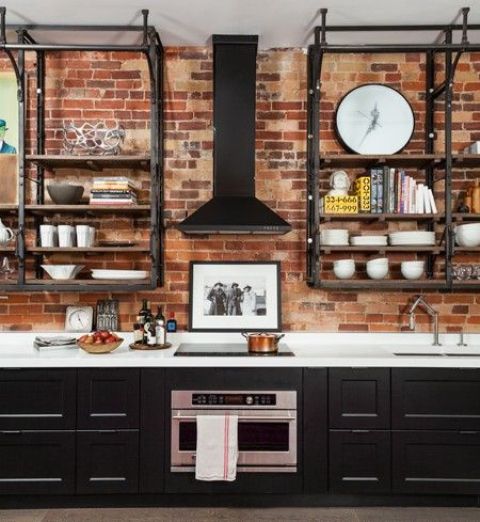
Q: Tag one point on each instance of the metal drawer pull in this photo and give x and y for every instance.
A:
(427, 479)
(56, 479)
(11, 432)
(30, 415)
(360, 479)
(241, 417)
(108, 414)
(107, 479)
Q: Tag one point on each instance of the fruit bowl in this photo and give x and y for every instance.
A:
(99, 342)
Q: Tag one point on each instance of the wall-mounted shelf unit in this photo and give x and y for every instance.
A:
(435, 166)
(33, 165)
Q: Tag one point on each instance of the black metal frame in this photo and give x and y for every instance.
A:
(151, 47)
(316, 52)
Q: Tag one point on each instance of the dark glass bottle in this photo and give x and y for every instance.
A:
(144, 312)
(172, 323)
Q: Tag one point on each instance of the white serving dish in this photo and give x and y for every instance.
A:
(467, 235)
(369, 240)
(413, 237)
(119, 274)
(412, 269)
(62, 272)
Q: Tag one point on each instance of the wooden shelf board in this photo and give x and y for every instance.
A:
(466, 250)
(469, 283)
(7, 249)
(9, 208)
(92, 163)
(89, 250)
(347, 248)
(466, 161)
(49, 209)
(395, 160)
(382, 217)
(459, 216)
(87, 282)
(380, 284)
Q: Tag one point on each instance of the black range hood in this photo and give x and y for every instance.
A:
(234, 209)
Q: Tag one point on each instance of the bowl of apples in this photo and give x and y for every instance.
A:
(101, 341)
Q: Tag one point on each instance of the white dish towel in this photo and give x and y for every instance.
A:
(217, 447)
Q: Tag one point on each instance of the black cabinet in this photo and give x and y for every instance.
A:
(108, 398)
(37, 462)
(440, 398)
(315, 430)
(359, 398)
(107, 461)
(360, 461)
(443, 462)
(152, 431)
(37, 399)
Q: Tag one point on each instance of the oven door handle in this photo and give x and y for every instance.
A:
(288, 418)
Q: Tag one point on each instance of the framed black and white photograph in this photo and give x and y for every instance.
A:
(234, 296)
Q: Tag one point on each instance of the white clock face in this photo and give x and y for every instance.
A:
(374, 119)
(79, 319)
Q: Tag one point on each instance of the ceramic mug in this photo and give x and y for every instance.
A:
(48, 235)
(6, 234)
(65, 236)
(84, 236)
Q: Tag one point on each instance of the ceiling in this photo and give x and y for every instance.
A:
(280, 23)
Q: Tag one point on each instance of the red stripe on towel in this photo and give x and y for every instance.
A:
(225, 448)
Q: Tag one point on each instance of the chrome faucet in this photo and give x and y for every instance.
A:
(420, 301)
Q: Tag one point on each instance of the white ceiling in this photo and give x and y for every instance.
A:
(280, 23)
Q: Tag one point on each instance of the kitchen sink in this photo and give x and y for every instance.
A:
(445, 352)
(418, 354)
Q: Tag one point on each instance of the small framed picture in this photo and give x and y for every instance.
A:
(232, 296)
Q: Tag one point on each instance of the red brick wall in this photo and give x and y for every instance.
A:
(101, 86)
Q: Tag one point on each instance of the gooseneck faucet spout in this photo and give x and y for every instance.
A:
(420, 302)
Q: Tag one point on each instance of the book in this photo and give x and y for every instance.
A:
(362, 191)
(432, 201)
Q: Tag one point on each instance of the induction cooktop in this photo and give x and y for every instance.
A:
(226, 350)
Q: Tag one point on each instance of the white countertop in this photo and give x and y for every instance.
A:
(311, 350)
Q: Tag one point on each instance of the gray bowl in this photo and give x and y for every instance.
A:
(64, 194)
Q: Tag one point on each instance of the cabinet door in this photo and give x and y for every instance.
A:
(315, 429)
(360, 461)
(107, 462)
(436, 462)
(37, 399)
(37, 462)
(438, 398)
(152, 431)
(108, 398)
(359, 398)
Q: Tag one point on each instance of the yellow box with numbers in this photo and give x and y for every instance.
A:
(363, 191)
(340, 205)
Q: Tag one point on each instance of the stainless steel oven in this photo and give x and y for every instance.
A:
(267, 427)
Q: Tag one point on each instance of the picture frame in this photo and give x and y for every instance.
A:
(9, 138)
(234, 296)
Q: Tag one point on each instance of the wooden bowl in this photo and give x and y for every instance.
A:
(100, 348)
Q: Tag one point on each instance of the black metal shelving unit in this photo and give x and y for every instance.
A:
(151, 48)
(432, 163)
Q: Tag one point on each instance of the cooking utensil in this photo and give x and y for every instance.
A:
(262, 342)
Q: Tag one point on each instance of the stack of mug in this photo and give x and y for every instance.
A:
(67, 236)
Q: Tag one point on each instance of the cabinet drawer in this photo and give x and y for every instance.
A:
(37, 399)
(107, 462)
(108, 398)
(359, 398)
(37, 462)
(360, 462)
(443, 462)
(439, 398)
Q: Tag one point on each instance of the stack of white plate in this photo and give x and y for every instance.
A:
(368, 240)
(334, 237)
(413, 237)
(119, 274)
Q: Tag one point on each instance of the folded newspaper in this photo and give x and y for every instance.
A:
(54, 342)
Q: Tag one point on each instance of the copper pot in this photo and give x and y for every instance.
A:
(262, 342)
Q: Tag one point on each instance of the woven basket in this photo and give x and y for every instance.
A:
(100, 348)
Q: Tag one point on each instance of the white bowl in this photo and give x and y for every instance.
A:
(344, 268)
(63, 271)
(377, 270)
(468, 235)
(412, 269)
(378, 261)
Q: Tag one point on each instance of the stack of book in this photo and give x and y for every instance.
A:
(388, 190)
(117, 190)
